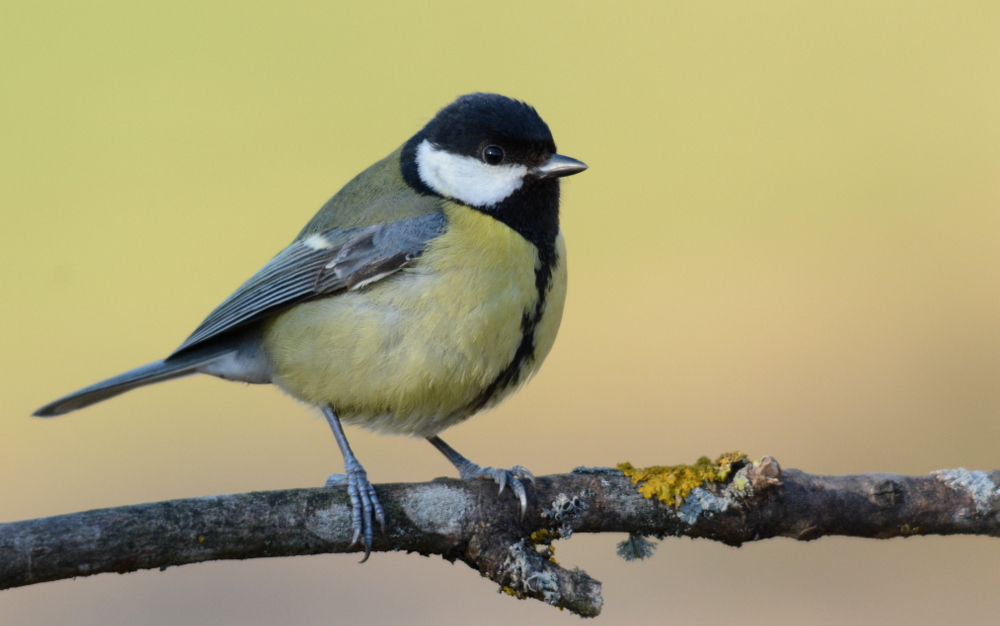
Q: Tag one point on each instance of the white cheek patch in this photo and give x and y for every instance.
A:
(468, 180)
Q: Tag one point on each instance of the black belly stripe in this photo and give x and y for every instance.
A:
(510, 376)
(512, 373)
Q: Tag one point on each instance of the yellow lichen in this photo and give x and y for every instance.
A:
(671, 484)
(544, 537)
(907, 531)
(540, 536)
(552, 554)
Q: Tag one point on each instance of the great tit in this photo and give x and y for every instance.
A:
(427, 289)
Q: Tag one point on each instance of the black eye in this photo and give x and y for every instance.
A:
(493, 154)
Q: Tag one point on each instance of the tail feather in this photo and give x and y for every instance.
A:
(145, 375)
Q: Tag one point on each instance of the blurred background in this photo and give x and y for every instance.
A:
(788, 243)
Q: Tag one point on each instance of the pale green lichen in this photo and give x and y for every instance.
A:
(564, 508)
(976, 483)
(702, 502)
(331, 524)
(635, 548)
(597, 471)
(742, 485)
(566, 511)
(524, 579)
(671, 484)
(436, 508)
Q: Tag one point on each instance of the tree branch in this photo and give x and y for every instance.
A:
(465, 520)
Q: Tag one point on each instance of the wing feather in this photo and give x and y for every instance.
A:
(318, 266)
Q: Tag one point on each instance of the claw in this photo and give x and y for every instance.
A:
(521, 495)
(503, 482)
(523, 472)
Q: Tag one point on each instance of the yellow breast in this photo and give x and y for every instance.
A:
(413, 353)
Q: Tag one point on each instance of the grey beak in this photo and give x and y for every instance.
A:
(559, 165)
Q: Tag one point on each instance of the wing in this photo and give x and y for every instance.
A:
(320, 265)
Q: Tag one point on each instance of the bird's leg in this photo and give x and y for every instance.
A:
(364, 502)
(503, 477)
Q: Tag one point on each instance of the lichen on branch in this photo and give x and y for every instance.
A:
(671, 484)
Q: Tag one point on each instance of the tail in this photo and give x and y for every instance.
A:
(155, 372)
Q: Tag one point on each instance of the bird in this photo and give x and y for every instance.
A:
(429, 288)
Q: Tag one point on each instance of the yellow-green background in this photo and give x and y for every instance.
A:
(788, 243)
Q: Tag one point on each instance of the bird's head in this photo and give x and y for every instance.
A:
(481, 149)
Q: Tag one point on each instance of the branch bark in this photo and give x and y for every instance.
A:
(466, 521)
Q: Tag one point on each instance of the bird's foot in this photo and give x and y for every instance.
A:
(364, 504)
(502, 477)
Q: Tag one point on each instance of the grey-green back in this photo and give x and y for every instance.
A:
(373, 227)
(377, 195)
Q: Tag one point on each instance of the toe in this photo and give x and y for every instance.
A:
(336, 480)
(356, 520)
(523, 472)
(379, 513)
(503, 478)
